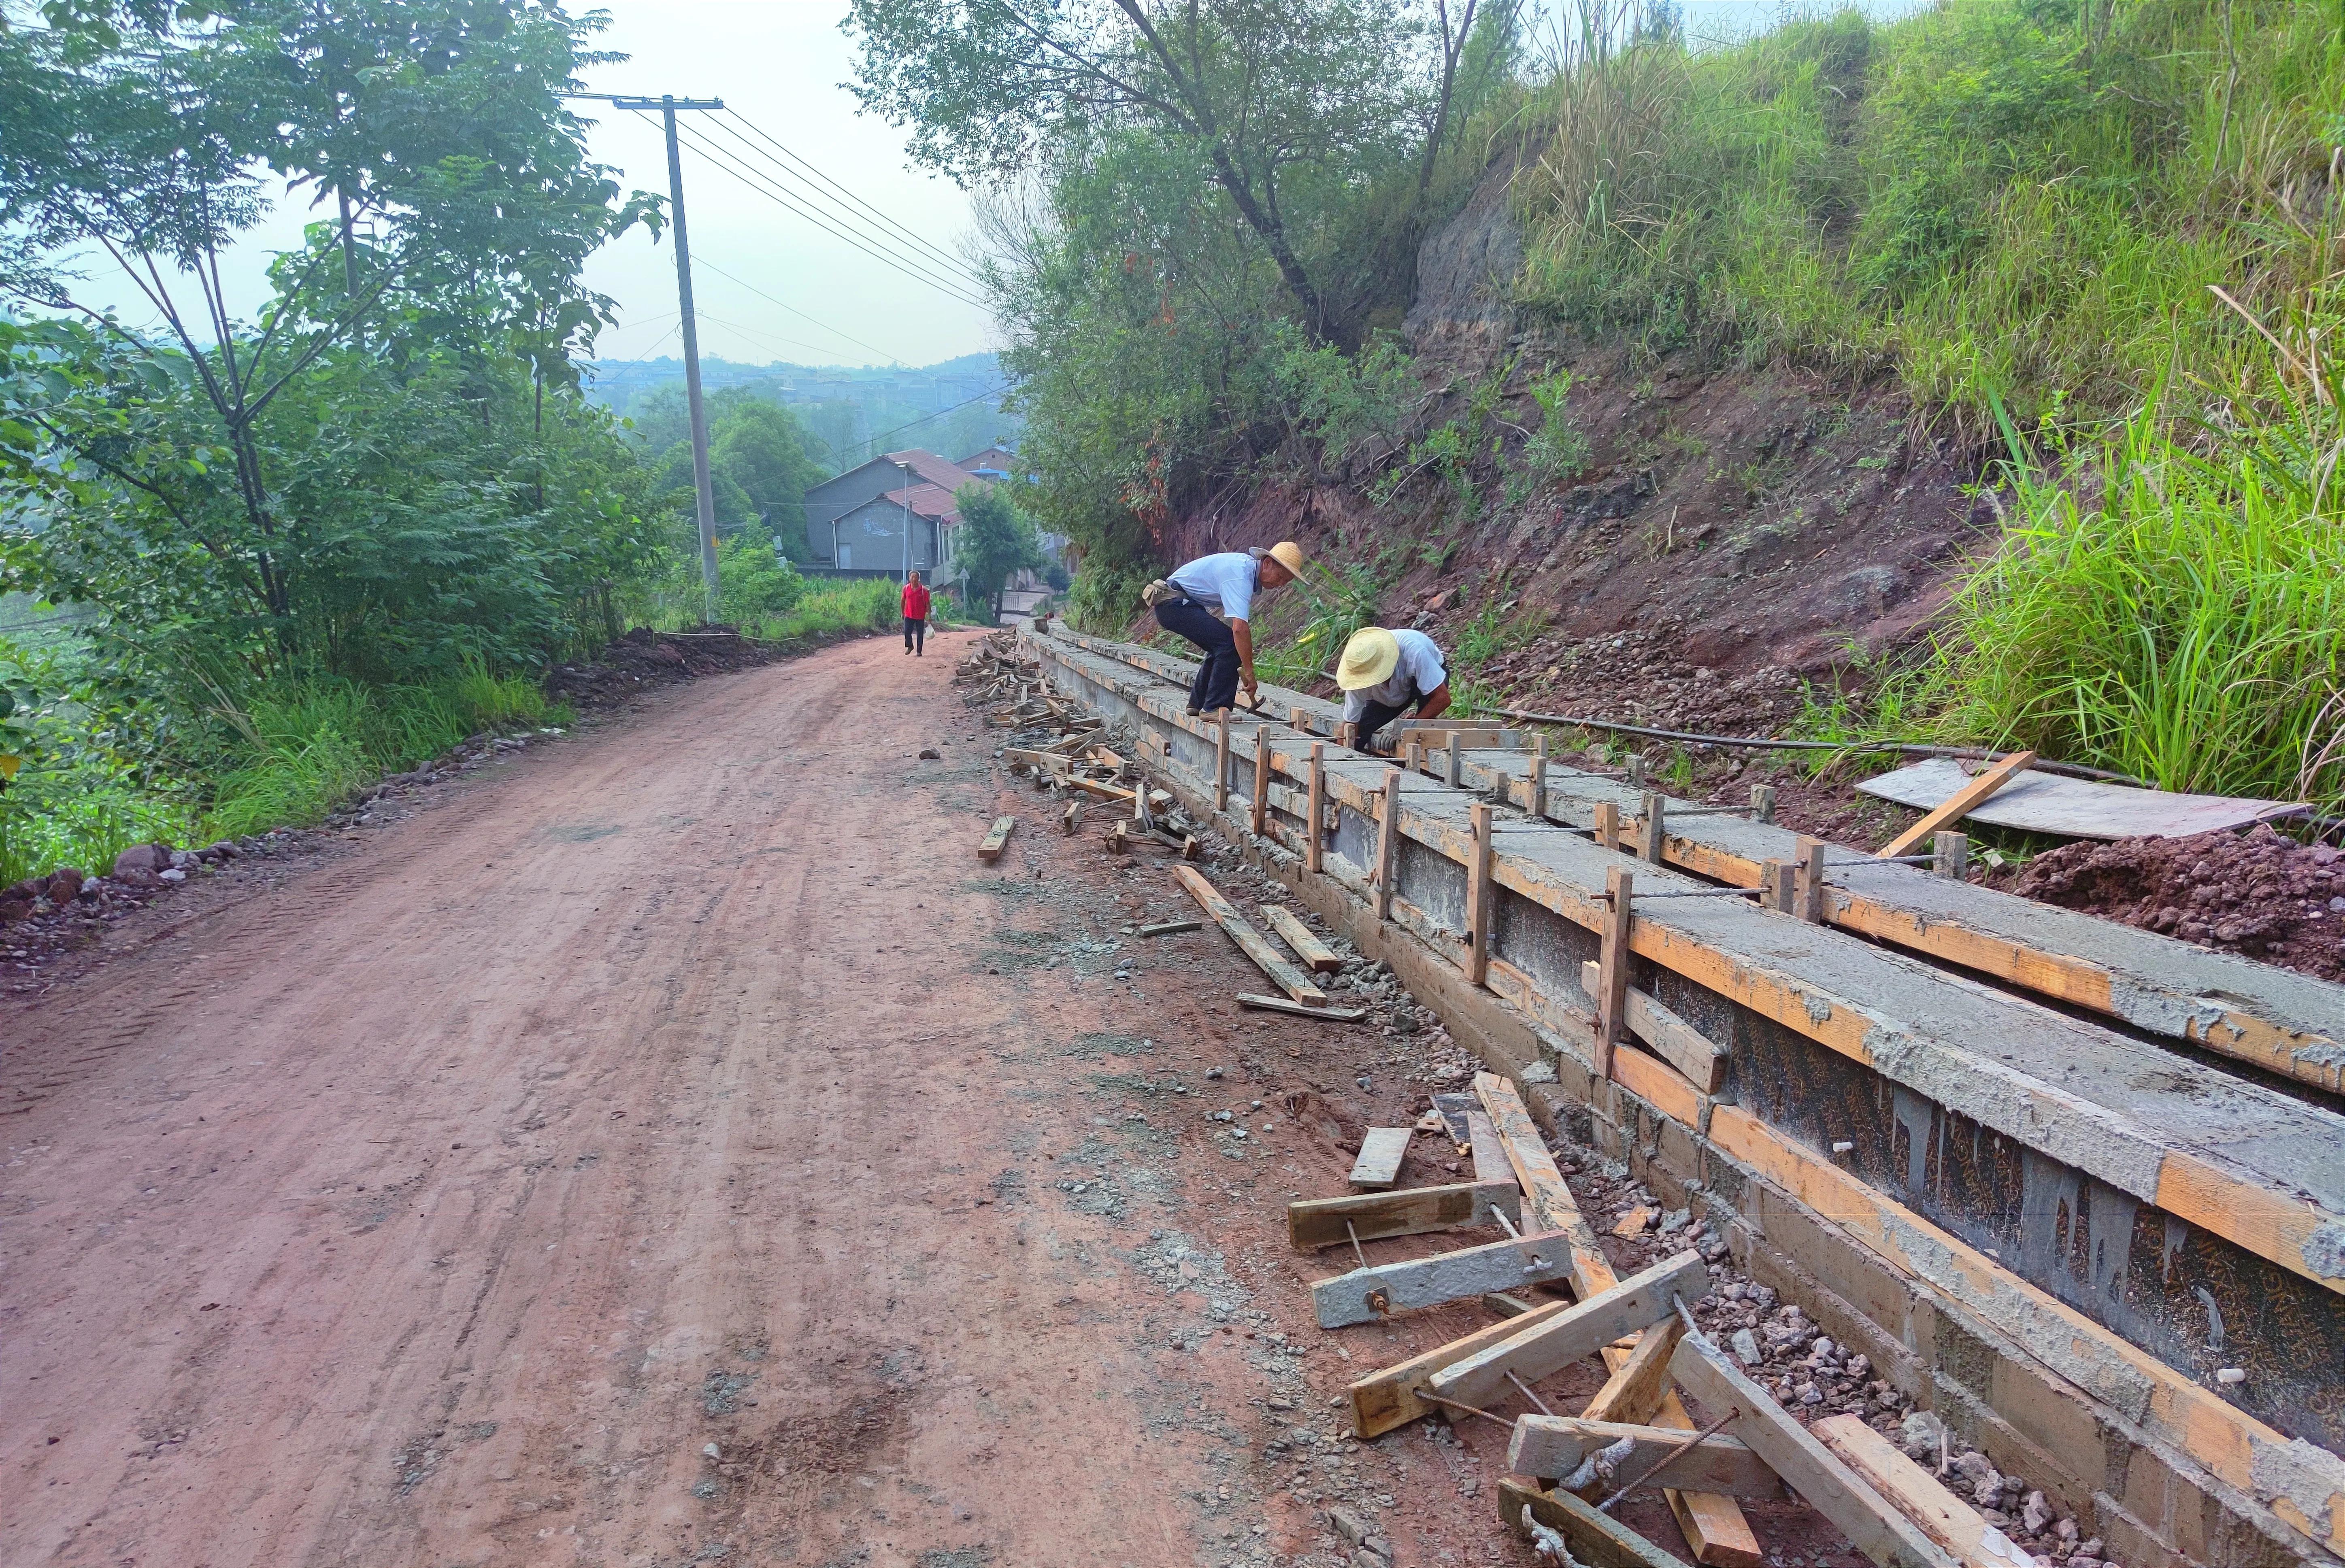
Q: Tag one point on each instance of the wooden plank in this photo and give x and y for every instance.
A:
(1608, 825)
(1985, 784)
(1072, 817)
(1808, 884)
(1171, 927)
(1479, 900)
(1281, 1004)
(1286, 976)
(997, 839)
(1813, 1471)
(1490, 1162)
(1639, 1302)
(1380, 1289)
(1640, 1380)
(1652, 815)
(1613, 937)
(1262, 772)
(1549, 1447)
(1316, 954)
(1315, 1222)
(1552, 1205)
(1673, 1039)
(1381, 1152)
(1387, 1398)
(1387, 845)
(1315, 812)
(1222, 760)
(1953, 1525)
(1596, 1540)
(1536, 802)
(1041, 762)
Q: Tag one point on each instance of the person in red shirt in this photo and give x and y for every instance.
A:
(916, 616)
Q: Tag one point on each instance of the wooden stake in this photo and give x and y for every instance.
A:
(1537, 805)
(1608, 825)
(1451, 749)
(1261, 778)
(1415, 752)
(1315, 807)
(1953, 852)
(1762, 802)
(1071, 818)
(1653, 810)
(1478, 901)
(1812, 880)
(1221, 761)
(1777, 878)
(1964, 799)
(1388, 844)
(1612, 969)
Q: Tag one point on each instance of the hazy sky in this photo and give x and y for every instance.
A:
(779, 63)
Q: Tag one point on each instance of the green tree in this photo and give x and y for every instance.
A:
(759, 446)
(997, 540)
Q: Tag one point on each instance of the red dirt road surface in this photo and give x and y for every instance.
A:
(674, 1146)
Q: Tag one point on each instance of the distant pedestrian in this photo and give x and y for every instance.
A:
(916, 616)
(1384, 674)
(1195, 600)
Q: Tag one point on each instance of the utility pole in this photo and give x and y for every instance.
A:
(704, 495)
(907, 522)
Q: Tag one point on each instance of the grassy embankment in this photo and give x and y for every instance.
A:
(2024, 212)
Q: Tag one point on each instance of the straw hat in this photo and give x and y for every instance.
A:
(1368, 659)
(1287, 553)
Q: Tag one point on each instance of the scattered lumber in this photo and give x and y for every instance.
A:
(1544, 1348)
(1454, 1109)
(1364, 1295)
(1171, 927)
(1596, 1540)
(994, 842)
(1813, 1471)
(1913, 1491)
(1381, 1152)
(1675, 1041)
(1316, 955)
(1490, 1163)
(1971, 794)
(1312, 1223)
(1388, 1398)
(1551, 1204)
(1298, 1010)
(1072, 817)
(1286, 976)
(1549, 1447)
(1639, 1384)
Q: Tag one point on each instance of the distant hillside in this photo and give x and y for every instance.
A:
(926, 388)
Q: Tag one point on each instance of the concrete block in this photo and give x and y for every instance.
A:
(2129, 1540)
(2053, 1417)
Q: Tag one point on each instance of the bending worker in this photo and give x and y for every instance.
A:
(1383, 674)
(1195, 600)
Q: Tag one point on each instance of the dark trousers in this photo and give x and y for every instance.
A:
(1375, 717)
(1216, 685)
(915, 635)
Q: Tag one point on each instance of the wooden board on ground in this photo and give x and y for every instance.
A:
(1552, 1207)
(1452, 1109)
(1639, 1384)
(1281, 1004)
(1490, 1162)
(1920, 1496)
(1381, 1152)
(1549, 1447)
(1315, 1222)
(997, 839)
(1286, 976)
(1364, 1295)
(1597, 1539)
(1639, 1301)
(1675, 1041)
(2075, 808)
(1171, 927)
(1387, 1398)
(1813, 1471)
(1316, 955)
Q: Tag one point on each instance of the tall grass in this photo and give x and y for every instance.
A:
(856, 604)
(2167, 610)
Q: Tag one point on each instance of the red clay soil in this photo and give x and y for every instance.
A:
(2258, 892)
(670, 1144)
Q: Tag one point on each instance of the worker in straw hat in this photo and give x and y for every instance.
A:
(1210, 602)
(1384, 674)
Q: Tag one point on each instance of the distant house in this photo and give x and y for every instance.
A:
(993, 462)
(880, 518)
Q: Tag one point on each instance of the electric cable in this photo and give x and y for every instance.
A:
(908, 232)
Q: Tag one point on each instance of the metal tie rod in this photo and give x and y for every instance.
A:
(1639, 895)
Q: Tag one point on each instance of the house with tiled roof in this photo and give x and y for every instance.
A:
(892, 514)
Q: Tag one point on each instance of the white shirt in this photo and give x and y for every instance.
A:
(1417, 672)
(1223, 584)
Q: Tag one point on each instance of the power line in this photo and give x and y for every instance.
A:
(880, 436)
(891, 358)
(864, 210)
(754, 335)
(910, 265)
(762, 188)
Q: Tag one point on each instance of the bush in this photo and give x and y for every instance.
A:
(753, 582)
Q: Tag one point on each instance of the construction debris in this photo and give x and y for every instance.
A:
(1381, 1152)
(998, 839)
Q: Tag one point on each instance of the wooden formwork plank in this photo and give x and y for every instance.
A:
(1641, 1300)
(1364, 1295)
(996, 838)
(1550, 1447)
(1312, 1223)
(1316, 955)
(1381, 1151)
(1286, 976)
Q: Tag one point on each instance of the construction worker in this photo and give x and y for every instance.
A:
(916, 616)
(1195, 601)
(1383, 674)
